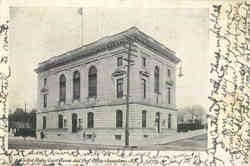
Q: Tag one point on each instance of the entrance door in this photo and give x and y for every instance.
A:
(74, 123)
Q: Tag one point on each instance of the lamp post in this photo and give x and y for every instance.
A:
(180, 74)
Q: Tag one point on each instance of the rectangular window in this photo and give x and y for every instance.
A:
(157, 80)
(119, 61)
(169, 95)
(45, 82)
(119, 88)
(143, 61)
(119, 118)
(45, 101)
(144, 119)
(80, 123)
(60, 121)
(44, 122)
(144, 86)
(157, 120)
(169, 73)
(90, 123)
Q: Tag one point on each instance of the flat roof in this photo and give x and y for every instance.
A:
(107, 42)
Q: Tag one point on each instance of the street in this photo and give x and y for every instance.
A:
(196, 143)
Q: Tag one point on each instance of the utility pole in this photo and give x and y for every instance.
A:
(131, 48)
(127, 97)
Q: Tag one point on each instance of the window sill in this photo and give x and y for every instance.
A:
(44, 90)
(144, 73)
(118, 73)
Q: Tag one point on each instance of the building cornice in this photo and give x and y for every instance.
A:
(108, 43)
(103, 105)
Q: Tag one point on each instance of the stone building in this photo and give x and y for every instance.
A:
(84, 90)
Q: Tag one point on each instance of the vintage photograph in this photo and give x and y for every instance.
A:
(108, 78)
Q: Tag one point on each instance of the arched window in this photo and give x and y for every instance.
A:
(76, 85)
(90, 120)
(60, 121)
(44, 122)
(92, 82)
(144, 119)
(157, 79)
(169, 121)
(119, 119)
(62, 88)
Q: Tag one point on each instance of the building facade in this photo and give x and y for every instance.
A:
(84, 90)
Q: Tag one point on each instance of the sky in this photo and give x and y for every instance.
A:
(39, 33)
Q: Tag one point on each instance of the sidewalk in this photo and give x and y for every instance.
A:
(173, 138)
(88, 143)
(147, 142)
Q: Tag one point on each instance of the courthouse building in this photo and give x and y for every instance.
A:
(84, 90)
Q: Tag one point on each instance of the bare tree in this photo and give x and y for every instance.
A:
(182, 114)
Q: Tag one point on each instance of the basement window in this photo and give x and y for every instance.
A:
(145, 136)
(118, 137)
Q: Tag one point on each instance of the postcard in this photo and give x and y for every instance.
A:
(123, 83)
